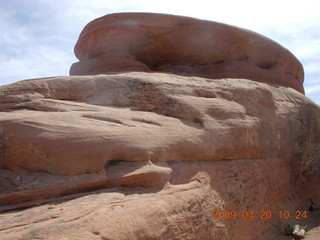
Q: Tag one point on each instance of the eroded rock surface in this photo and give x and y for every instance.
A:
(184, 46)
(230, 144)
(149, 155)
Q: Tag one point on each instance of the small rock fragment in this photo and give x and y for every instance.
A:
(299, 232)
(295, 230)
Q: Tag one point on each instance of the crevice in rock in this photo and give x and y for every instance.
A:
(195, 123)
(243, 58)
(143, 120)
(12, 107)
(266, 64)
(204, 93)
(102, 118)
(292, 74)
(219, 62)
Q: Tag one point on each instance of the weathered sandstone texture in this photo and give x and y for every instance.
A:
(167, 149)
(184, 46)
(149, 155)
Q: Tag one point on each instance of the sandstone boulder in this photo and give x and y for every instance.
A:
(184, 46)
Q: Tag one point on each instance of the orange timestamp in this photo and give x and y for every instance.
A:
(263, 214)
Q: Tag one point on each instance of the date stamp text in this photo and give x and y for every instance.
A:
(262, 215)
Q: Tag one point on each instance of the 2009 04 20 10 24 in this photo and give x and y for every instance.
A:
(262, 214)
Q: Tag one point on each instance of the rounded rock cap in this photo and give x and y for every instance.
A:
(149, 42)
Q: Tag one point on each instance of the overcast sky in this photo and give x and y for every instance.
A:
(37, 36)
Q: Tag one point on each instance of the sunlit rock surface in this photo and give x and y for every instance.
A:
(184, 46)
(149, 155)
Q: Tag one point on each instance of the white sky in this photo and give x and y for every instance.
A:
(37, 36)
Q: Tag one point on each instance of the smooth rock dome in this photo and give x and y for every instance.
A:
(183, 46)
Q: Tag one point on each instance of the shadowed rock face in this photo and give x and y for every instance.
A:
(184, 46)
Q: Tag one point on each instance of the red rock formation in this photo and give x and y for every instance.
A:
(155, 155)
(184, 46)
(152, 131)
